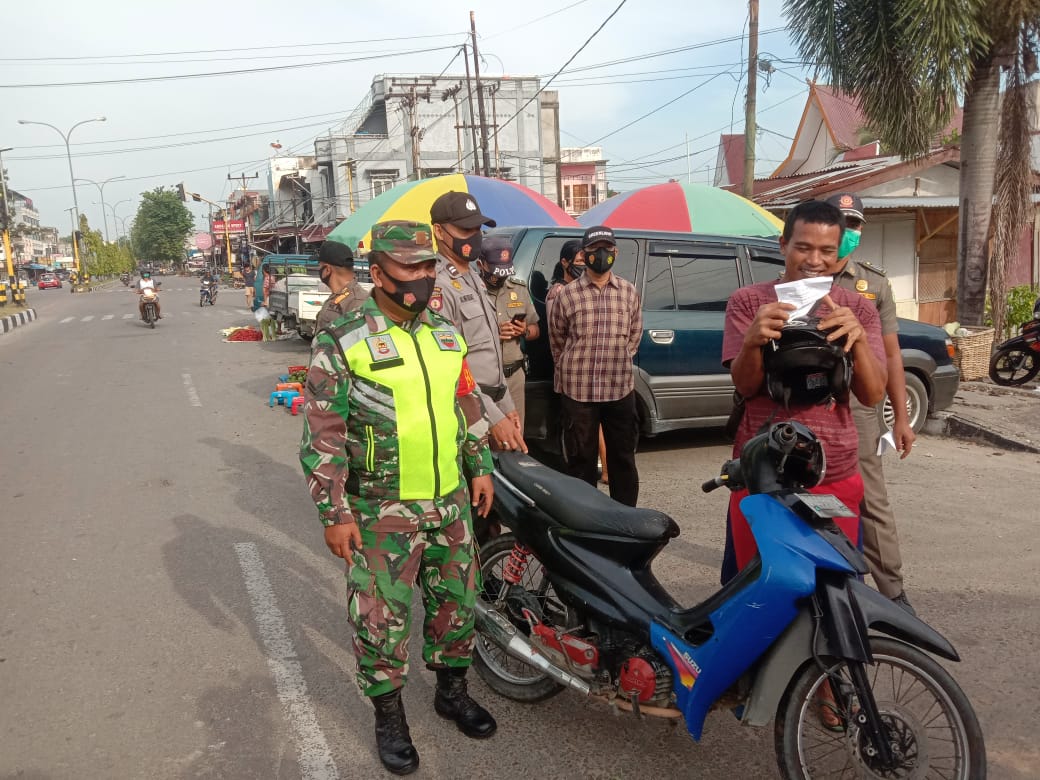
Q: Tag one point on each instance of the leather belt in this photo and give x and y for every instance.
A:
(511, 368)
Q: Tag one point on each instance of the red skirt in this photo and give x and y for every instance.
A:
(849, 491)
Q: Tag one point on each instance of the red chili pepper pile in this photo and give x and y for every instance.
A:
(246, 334)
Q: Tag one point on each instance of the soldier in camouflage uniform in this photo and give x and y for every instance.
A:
(336, 269)
(394, 428)
(517, 318)
(880, 538)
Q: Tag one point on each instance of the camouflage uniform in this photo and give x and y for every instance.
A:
(510, 299)
(336, 305)
(880, 537)
(393, 428)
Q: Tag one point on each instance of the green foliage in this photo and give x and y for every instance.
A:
(906, 60)
(1020, 302)
(101, 258)
(161, 225)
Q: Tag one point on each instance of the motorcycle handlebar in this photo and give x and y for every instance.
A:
(712, 484)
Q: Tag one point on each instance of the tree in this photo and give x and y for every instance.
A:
(161, 225)
(908, 61)
(103, 259)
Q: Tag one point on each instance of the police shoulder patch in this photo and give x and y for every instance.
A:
(381, 348)
(518, 281)
(447, 340)
(436, 302)
(874, 268)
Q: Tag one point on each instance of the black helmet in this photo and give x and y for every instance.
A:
(802, 368)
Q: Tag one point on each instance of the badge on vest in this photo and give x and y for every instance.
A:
(382, 348)
(456, 284)
(447, 340)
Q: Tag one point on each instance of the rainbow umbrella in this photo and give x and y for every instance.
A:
(684, 208)
(506, 202)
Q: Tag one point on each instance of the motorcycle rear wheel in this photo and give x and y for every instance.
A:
(1015, 365)
(931, 725)
(505, 675)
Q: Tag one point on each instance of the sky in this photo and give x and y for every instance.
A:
(200, 130)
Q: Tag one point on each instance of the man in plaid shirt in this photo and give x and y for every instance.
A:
(595, 326)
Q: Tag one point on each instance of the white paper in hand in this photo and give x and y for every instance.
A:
(886, 443)
(804, 294)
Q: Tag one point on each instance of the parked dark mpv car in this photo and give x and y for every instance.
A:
(685, 280)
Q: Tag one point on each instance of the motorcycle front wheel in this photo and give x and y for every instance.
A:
(1014, 365)
(930, 725)
(504, 674)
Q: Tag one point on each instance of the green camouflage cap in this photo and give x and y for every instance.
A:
(406, 242)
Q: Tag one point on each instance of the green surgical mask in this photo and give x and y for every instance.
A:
(849, 243)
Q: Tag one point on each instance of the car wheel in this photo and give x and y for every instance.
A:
(916, 405)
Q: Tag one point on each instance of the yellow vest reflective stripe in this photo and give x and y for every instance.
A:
(420, 371)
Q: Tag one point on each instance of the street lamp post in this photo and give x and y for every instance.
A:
(72, 177)
(114, 215)
(101, 189)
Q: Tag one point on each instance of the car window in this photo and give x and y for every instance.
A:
(766, 267)
(690, 277)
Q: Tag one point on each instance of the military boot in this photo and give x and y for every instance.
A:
(392, 738)
(452, 701)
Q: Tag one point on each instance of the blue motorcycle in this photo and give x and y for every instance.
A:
(569, 600)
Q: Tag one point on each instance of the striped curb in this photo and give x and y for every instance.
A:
(12, 321)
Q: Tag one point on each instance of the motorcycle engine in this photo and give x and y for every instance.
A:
(646, 677)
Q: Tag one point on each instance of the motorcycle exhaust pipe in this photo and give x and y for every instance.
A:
(498, 629)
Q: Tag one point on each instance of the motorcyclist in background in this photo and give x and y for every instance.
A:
(147, 283)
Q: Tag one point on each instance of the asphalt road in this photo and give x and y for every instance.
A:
(168, 608)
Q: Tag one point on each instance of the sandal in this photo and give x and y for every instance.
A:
(830, 717)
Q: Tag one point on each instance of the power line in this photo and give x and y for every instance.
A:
(533, 21)
(239, 72)
(226, 51)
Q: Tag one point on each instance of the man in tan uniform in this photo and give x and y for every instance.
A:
(880, 538)
(517, 318)
(336, 268)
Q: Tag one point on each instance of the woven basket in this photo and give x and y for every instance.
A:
(972, 353)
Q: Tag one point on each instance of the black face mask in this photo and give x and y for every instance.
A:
(576, 270)
(412, 295)
(600, 260)
(326, 278)
(468, 248)
(491, 280)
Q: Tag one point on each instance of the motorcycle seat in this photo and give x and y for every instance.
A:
(578, 505)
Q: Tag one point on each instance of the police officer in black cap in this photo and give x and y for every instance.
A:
(336, 268)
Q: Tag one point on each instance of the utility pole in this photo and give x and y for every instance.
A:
(480, 96)
(5, 218)
(453, 93)
(748, 188)
(246, 217)
(414, 90)
(472, 114)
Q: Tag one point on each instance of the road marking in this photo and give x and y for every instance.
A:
(315, 758)
(127, 316)
(67, 319)
(88, 318)
(193, 394)
(243, 312)
(108, 316)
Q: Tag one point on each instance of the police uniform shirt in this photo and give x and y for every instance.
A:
(510, 299)
(870, 282)
(462, 298)
(336, 305)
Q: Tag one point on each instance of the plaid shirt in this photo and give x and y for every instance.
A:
(594, 333)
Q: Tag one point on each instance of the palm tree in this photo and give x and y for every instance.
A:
(909, 61)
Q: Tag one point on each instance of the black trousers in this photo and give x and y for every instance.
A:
(581, 424)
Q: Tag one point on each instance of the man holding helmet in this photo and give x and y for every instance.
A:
(801, 375)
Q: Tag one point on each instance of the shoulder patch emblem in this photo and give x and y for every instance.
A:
(381, 348)
(447, 340)
(453, 272)
(861, 285)
(436, 302)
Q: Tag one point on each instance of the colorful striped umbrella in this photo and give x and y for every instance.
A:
(506, 202)
(684, 208)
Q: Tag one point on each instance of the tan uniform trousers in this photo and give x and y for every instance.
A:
(880, 538)
(515, 383)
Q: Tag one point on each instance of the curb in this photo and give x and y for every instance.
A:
(960, 428)
(12, 321)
